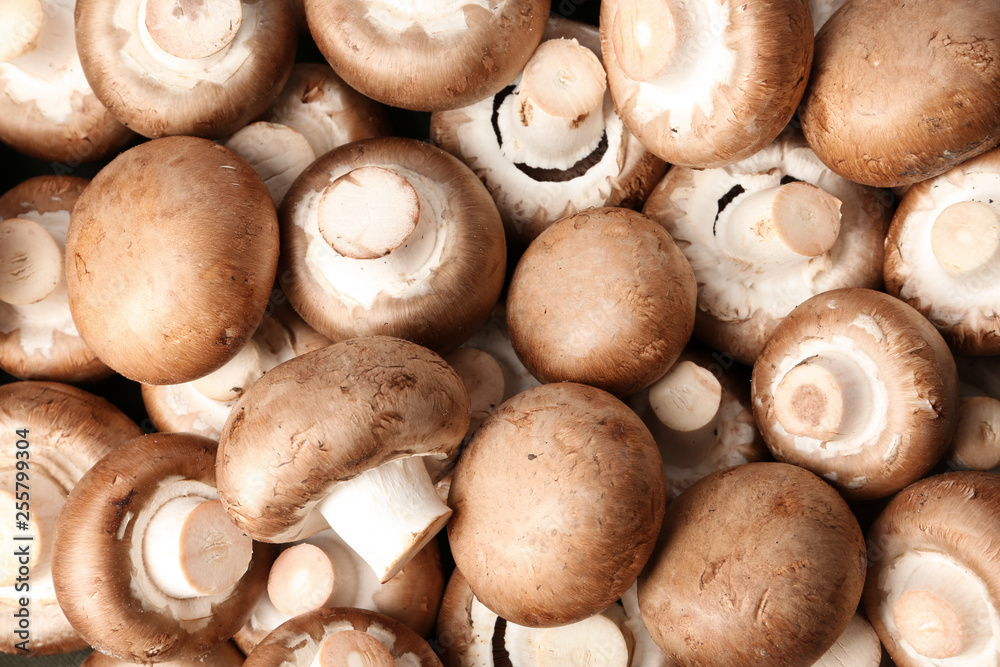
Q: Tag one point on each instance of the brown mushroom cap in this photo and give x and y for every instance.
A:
(67, 430)
(859, 122)
(880, 365)
(762, 559)
(434, 56)
(159, 295)
(557, 499)
(150, 83)
(102, 576)
(604, 297)
(224, 655)
(29, 348)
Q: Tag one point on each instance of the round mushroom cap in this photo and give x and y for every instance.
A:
(865, 127)
(225, 655)
(933, 589)
(193, 72)
(427, 56)
(102, 577)
(161, 296)
(859, 388)
(557, 502)
(762, 559)
(40, 341)
(56, 433)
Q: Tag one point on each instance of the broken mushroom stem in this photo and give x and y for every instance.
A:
(228, 382)
(976, 444)
(645, 36)
(554, 117)
(686, 400)
(822, 397)
(21, 22)
(301, 580)
(965, 237)
(202, 31)
(933, 626)
(31, 261)
(351, 647)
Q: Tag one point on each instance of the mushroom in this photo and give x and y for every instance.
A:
(618, 327)
(741, 228)
(47, 109)
(392, 236)
(202, 69)
(762, 559)
(224, 655)
(342, 636)
(858, 646)
(551, 144)
(159, 295)
(38, 338)
(54, 434)
(354, 459)
(704, 84)
(933, 590)
(557, 502)
(859, 388)
(976, 444)
(822, 10)
(147, 565)
(853, 114)
(427, 57)
(941, 255)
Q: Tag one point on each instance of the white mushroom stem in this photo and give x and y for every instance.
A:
(554, 117)
(350, 648)
(929, 624)
(857, 646)
(368, 212)
(21, 22)
(965, 236)
(191, 548)
(822, 398)
(687, 398)
(193, 29)
(593, 642)
(276, 152)
(780, 225)
(645, 36)
(386, 514)
(31, 262)
(301, 580)
(238, 374)
(976, 444)
(483, 379)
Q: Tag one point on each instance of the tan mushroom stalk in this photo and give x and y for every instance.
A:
(858, 646)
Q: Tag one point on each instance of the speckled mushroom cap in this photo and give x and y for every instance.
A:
(434, 289)
(721, 80)
(195, 72)
(618, 172)
(225, 655)
(39, 341)
(103, 577)
(557, 502)
(933, 590)
(859, 388)
(48, 110)
(941, 253)
(159, 295)
(740, 301)
(854, 115)
(763, 559)
(67, 430)
(603, 297)
(427, 56)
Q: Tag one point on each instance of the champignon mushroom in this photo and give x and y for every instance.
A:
(762, 559)
(854, 114)
(392, 236)
(38, 338)
(147, 565)
(557, 501)
(858, 646)
(705, 84)
(976, 444)
(933, 590)
(54, 434)
(859, 388)
(494, 339)
(427, 57)
(202, 69)
(551, 144)
(159, 295)
(819, 232)
(603, 297)
(47, 109)
(224, 655)
(379, 406)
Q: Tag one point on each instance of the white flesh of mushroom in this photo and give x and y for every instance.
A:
(198, 31)
(45, 500)
(31, 262)
(593, 642)
(686, 398)
(976, 445)
(431, 16)
(277, 153)
(301, 580)
(857, 646)
(350, 648)
(20, 23)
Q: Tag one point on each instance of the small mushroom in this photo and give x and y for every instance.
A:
(858, 646)
(147, 565)
(224, 655)
(976, 444)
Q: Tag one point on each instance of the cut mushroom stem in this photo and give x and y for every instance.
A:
(976, 444)
(193, 30)
(31, 262)
(21, 22)
(965, 236)
(191, 548)
(597, 640)
(821, 397)
(228, 382)
(350, 648)
(782, 224)
(368, 212)
(301, 580)
(929, 624)
(644, 36)
(554, 117)
(687, 398)
(399, 498)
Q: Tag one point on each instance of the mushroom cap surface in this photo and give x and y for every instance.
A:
(759, 559)
(225, 655)
(557, 502)
(172, 253)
